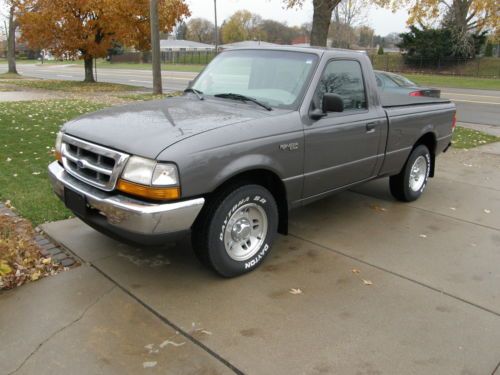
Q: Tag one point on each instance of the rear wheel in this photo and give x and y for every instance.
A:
(236, 230)
(411, 182)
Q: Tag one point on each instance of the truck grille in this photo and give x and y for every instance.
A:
(96, 165)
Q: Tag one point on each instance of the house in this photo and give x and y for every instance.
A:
(247, 44)
(175, 45)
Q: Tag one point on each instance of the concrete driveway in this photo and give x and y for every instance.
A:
(387, 288)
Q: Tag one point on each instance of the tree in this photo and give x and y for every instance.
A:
(200, 30)
(13, 6)
(155, 47)
(366, 34)
(242, 25)
(427, 46)
(277, 32)
(322, 16)
(88, 29)
(488, 51)
(468, 14)
(380, 50)
(351, 12)
(181, 31)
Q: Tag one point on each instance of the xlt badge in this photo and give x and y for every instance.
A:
(289, 146)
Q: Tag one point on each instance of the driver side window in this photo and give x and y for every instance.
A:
(344, 78)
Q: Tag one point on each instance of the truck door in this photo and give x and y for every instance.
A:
(342, 148)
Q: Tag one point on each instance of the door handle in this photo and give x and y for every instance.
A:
(370, 127)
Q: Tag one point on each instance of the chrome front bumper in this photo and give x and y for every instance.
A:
(128, 214)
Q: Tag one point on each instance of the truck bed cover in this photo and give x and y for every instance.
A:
(390, 100)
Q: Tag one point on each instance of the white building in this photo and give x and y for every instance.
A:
(167, 45)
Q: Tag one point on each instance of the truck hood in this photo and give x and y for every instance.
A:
(147, 128)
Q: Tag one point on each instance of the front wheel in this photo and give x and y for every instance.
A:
(236, 230)
(411, 182)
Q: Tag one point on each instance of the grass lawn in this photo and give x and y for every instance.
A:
(469, 138)
(74, 86)
(455, 81)
(28, 132)
(11, 76)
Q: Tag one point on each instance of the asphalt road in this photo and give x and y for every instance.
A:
(474, 106)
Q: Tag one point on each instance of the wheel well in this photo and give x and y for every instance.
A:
(429, 140)
(271, 182)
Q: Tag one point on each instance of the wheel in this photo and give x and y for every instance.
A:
(235, 232)
(411, 182)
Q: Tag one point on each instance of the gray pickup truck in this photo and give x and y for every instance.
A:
(258, 133)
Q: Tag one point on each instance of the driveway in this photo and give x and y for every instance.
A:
(386, 288)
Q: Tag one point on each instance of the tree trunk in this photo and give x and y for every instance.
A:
(155, 48)
(321, 21)
(89, 69)
(11, 42)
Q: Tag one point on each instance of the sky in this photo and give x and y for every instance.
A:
(382, 20)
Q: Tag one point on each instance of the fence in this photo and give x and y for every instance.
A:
(167, 57)
(485, 67)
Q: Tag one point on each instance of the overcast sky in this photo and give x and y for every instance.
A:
(382, 20)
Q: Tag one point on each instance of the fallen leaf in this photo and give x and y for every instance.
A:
(367, 282)
(376, 207)
(205, 332)
(354, 270)
(423, 236)
(295, 291)
(486, 211)
(168, 342)
(453, 208)
(149, 364)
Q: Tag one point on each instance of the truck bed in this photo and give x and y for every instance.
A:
(399, 100)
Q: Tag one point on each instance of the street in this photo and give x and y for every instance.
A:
(473, 106)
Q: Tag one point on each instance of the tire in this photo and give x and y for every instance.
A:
(236, 230)
(411, 182)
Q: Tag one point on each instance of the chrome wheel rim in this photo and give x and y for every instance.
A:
(418, 173)
(245, 232)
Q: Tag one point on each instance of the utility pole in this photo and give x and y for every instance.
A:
(155, 48)
(216, 29)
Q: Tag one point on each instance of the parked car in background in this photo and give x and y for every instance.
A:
(395, 83)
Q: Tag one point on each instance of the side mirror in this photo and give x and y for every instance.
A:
(332, 103)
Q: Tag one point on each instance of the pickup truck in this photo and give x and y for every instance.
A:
(257, 133)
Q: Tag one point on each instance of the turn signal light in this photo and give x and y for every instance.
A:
(58, 156)
(149, 192)
(454, 122)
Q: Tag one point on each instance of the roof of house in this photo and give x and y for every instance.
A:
(179, 43)
(248, 43)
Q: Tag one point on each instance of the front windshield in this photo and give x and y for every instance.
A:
(276, 78)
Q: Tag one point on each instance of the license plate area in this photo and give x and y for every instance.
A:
(75, 202)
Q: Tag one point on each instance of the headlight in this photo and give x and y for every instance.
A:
(149, 179)
(139, 170)
(58, 146)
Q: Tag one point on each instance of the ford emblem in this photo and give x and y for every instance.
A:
(80, 164)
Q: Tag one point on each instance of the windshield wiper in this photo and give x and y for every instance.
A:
(243, 98)
(198, 93)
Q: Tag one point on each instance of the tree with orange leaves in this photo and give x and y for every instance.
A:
(88, 28)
